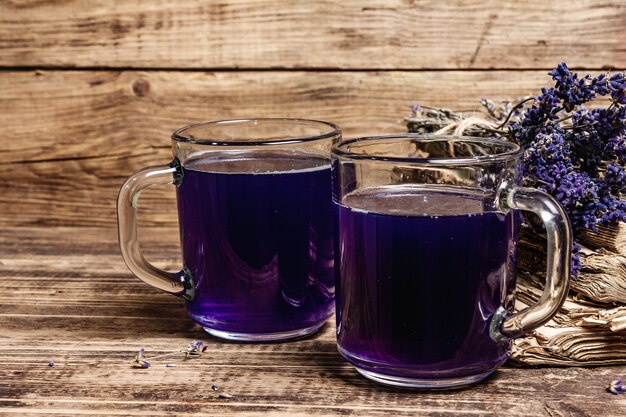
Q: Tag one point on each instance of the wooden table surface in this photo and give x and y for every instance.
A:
(66, 296)
(89, 93)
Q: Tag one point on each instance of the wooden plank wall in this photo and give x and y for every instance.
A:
(90, 90)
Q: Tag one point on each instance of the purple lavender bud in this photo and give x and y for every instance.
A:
(51, 364)
(416, 108)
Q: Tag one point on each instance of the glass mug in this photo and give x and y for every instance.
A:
(426, 235)
(255, 218)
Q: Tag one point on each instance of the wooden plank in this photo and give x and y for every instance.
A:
(93, 342)
(391, 34)
(70, 138)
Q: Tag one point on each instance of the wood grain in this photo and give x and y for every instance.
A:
(66, 296)
(376, 34)
(70, 138)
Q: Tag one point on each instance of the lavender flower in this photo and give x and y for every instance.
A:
(574, 91)
(615, 387)
(51, 364)
(140, 362)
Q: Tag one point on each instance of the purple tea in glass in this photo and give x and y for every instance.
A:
(256, 226)
(426, 232)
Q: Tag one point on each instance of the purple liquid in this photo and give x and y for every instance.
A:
(419, 281)
(256, 234)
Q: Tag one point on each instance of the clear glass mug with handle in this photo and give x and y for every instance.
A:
(255, 218)
(426, 236)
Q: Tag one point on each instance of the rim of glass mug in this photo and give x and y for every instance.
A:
(505, 150)
(185, 134)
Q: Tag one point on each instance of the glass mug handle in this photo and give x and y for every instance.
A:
(505, 325)
(179, 283)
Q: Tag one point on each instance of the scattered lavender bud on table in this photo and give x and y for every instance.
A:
(193, 350)
(615, 387)
(140, 361)
(214, 387)
(51, 364)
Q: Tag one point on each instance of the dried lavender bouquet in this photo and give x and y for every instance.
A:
(574, 140)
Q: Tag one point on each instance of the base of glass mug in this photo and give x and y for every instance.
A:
(422, 383)
(264, 337)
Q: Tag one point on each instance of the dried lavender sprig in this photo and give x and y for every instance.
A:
(194, 349)
(573, 153)
(167, 355)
